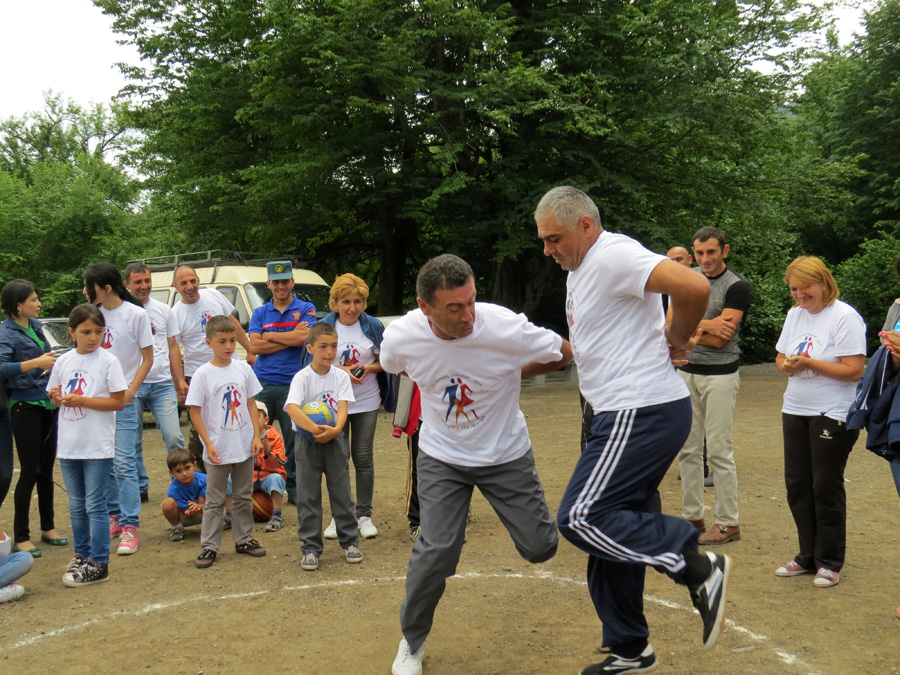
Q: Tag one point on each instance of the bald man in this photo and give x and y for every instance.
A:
(680, 255)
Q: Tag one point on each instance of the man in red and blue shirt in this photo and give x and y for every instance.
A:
(277, 336)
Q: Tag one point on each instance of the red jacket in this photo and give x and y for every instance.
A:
(274, 463)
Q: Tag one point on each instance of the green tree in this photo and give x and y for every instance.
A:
(372, 134)
(65, 200)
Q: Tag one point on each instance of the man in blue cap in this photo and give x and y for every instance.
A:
(277, 336)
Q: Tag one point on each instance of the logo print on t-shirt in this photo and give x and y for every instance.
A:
(76, 385)
(231, 404)
(805, 347)
(330, 401)
(206, 316)
(570, 309)
(350, 356)
(460, 404)
(107, 338)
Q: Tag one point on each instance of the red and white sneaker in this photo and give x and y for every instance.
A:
(792, 569)
(114, 528)
(128, 544)
(826, 578)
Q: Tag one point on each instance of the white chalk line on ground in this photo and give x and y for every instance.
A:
(538, 575)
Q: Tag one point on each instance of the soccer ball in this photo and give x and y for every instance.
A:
(320, 413)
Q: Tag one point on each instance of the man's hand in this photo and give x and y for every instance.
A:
(678, 355)
(721, 327)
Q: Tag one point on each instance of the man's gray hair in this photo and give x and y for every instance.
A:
(445, 272)
(568, 204)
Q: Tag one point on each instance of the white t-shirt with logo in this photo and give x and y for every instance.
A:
(838, 330)
(191, 321)
(617, 328)
(83, 433)
(163, 327)
(223, 395)
(356, 349)
(330, 388)
(470, 386)
(127, 332)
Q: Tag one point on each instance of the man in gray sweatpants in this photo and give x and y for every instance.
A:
(468, 359)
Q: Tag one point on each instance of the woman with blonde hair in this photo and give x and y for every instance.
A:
(822, 351)
(359, 343)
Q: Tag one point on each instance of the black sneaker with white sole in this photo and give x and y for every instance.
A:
(251, 547)
(89, 573)
(710, 596)
(645, 663)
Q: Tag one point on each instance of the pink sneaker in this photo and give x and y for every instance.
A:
(114, 528)
(128, 544)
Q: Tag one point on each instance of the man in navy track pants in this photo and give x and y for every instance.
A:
(642, 416)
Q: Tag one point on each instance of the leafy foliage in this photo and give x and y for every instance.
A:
(372, 134)
(64, 200)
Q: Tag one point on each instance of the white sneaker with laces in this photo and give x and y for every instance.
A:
(408, 662)
(331, 530)
(11, 592)
(367, 529)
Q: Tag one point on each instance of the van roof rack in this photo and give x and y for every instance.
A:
(214, 258)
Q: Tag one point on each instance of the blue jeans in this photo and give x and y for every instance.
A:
(124, 497)
(87, 483)
(274, 482)
(15, 566)
(163, 401)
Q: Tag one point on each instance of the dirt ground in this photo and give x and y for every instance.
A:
(499, 615)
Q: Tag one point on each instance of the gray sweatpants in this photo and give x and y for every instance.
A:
(333, 460)
(214, 510)
(514, 491)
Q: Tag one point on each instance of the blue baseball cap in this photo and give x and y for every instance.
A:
(279, 269)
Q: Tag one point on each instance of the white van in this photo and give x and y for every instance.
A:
(240, 277)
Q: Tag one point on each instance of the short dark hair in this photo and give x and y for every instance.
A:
(86, 312)
(320, 329)
(14, 292)
(446, 272)
(178, 457)
(219, 324)
(135, 268)
(707, 233)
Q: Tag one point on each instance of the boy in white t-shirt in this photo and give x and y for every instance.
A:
(321, 448)
(223, 411)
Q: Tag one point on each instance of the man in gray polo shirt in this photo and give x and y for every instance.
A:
(711, 375)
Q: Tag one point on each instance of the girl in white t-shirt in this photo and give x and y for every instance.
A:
(822, 351)
(129, 338)
(88, 386)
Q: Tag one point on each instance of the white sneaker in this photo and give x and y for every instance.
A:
(407, 662)
(14, 592)
(331, 530)
(367, 529)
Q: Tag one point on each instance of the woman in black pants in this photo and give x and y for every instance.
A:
(25, 362)
(822, 351)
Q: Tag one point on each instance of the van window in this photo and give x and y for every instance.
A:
(231, 293)
(259, 294)
(161, 294)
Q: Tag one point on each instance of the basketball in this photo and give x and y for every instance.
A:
(262, 507)
(320, 413)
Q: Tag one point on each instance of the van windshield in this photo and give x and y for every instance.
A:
(258, 294)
